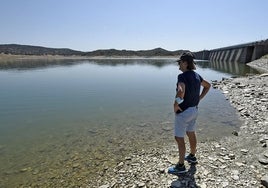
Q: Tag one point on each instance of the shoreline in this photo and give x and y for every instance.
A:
(5, 57)
(238, 160)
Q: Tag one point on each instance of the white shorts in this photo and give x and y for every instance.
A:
(185, 121)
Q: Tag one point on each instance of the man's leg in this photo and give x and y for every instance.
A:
(180, 167)
(182, 149)
(193, 141)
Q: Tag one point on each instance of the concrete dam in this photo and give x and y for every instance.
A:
(242, 53)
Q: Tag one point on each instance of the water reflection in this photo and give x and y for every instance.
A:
(228, 67)
(114, 62)
(221, 66)
(24, 64)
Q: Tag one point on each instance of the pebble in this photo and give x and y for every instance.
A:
(244, 151)
(104, 186)
(141, 184)
(24, 169)
(264, 180)
(263, 159)
(76, 165)
(265, 154)
(235, 177)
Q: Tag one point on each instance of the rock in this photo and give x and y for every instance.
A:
(142, 125)
(203, 185)
(265, 154)
(35, 172)
(166, 128)
(93, 132)
(162, 171)
(235, 177)
(232, 156)
(221, 160)
(120, 164)
(235, 133)
(264, 180)
(263, 139)
(206, 172)
(141, 184)
(244, 151)
(128, 158)
(172, 160)
(263, 160)
(239, 164)
(104, 186)
(264, 100)
(225, 184)
(166, 122)
(76, 165)
(24, 169)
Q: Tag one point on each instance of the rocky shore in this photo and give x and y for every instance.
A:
(240, 160)
(260, 64)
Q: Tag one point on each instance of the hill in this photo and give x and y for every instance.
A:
(143, 53)
(16, 49)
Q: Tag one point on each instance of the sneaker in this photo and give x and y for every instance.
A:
(191, 159)
(178, 169)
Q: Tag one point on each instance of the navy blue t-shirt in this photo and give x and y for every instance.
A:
(192, 82)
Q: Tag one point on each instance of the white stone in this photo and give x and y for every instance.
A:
(203, 185)
(235, 177)
(104, 186)
(225, 184)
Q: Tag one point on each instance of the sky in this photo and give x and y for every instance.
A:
(88, 25)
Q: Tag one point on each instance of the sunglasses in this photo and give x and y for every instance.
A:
(179, 62)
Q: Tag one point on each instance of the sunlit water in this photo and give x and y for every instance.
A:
(77, 118)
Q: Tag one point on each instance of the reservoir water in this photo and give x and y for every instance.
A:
(61, 121)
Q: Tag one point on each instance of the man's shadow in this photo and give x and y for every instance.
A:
(186, 179)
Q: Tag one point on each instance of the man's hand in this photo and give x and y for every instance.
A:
(176, 107)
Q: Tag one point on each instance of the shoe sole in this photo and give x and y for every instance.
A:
(178, 173)
(192, 162)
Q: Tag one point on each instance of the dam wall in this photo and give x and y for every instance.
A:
(242, 53)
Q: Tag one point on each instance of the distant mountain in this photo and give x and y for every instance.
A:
(17, 49)
(144, 53)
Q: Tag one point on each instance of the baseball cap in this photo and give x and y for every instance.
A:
(186, 56)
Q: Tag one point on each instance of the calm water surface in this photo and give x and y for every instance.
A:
(73, 119)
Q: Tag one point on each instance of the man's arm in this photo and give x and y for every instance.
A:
(206, 87)
(180, 93)
(181, 90)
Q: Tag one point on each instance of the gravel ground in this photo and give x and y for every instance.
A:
(239, 160)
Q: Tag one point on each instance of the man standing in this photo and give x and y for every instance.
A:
(185, 107)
